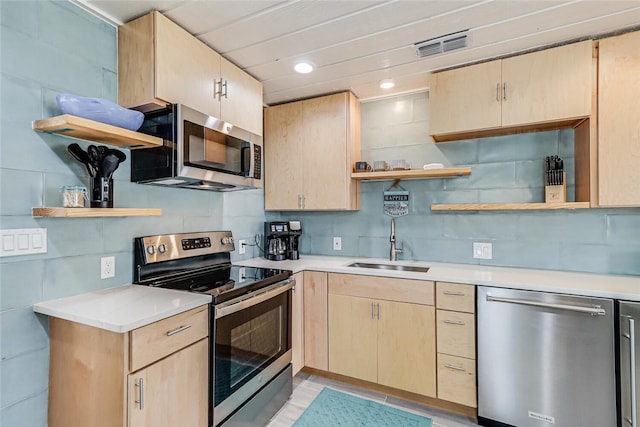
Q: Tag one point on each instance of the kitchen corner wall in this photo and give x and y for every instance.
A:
(48, 47)
(505, 169)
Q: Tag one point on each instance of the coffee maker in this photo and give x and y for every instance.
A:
(281, 240)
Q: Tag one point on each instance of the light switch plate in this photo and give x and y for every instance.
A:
(482, 250)
(242, 248)
(23, 241)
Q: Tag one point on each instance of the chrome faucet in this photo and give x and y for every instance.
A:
(393, 253)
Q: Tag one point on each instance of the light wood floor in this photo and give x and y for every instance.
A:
(306, 387)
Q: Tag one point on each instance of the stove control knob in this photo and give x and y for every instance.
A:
(162, 248)
(230, 240)
(151, 250)
(225, 240)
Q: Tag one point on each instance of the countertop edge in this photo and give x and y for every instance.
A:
(67, 308)
(564, 282)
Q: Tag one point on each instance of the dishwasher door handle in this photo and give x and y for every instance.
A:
(594, 311)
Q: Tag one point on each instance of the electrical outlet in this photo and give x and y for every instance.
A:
(242, 246)
(337, 243)
(482, 250)
(107, 267)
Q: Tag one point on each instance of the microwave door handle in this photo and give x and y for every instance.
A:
(245, 168)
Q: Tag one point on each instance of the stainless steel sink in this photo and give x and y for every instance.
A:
(397, 267)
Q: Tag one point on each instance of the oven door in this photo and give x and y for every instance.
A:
(252, 345)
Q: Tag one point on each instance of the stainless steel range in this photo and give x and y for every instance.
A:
(250, 325)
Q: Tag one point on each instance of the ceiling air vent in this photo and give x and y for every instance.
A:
(443, 44)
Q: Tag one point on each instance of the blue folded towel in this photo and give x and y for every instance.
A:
(100, 110)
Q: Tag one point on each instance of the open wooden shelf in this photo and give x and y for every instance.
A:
(412, 174)
(509, 206)
(94, 212)
(81, 128)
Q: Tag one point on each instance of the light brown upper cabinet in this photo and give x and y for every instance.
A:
(310, 147)
(534, 90)
(619, 121)
(161, 63)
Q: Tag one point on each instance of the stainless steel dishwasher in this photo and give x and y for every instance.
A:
(629, 327)
(545, 360)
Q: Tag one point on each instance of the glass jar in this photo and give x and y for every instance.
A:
(73, 196)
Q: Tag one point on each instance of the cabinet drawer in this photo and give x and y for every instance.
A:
(457, 380)
(157, 340)
(456, 333)
(456, 297)
(384, 288)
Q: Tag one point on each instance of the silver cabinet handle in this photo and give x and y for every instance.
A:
(455, 368)
(454, 293)
(504, 91)
(226, 88)
(140, 401)
(594, 311)
(632, 351)
(217, 88)
(180, 329)
(498, 91)
(378, 311)
(454, 322)
(372, 311)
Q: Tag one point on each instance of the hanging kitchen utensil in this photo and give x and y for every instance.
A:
(396, 201)
(94, 159)
(82, 156)
(110, 161)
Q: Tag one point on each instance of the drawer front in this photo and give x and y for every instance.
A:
(384, 288)
(457, 380)
(456, 333)
(456, 297)
(157, 340)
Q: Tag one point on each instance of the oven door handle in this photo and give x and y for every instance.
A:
(253, 298)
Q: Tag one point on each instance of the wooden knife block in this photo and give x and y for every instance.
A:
(556, 193)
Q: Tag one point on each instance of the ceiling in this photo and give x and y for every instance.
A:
(356, 44)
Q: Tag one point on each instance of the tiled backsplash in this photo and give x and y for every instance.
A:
(507, 169)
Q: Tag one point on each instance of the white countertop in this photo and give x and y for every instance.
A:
(123, 308)
(586, 284)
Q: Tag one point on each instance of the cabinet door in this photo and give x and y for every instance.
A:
(173, 391)
(456, 333)
(353, 337)
(457, 380)
(297, 324)
(241, 101)
(619, 121)
(465, 99)
(315, 320)
(283, 138)
(186, 69)
(407, 347)
(326, 169)
(548, 85)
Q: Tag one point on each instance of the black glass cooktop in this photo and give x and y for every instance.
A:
(226, 282)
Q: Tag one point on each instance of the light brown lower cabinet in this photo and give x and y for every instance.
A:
(297, 324)
(391, 343)
(456, 332)
(457, 379)
(315, 320)
(156, 375)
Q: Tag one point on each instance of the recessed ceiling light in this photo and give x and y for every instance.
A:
(387, 84)
(303, 67)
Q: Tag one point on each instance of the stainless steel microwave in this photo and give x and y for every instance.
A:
(199, 152)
